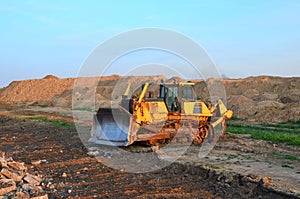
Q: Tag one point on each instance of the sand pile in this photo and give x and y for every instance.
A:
(265, 98)
(36, 89)
(261, 99)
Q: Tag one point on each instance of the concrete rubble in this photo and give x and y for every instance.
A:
(16, 182)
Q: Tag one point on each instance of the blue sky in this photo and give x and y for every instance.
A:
(243, 38)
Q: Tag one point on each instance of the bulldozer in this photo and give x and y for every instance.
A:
(174, 113)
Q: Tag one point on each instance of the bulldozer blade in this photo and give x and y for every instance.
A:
(111, 126)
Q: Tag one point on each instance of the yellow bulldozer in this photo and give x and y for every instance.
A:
(170, 112)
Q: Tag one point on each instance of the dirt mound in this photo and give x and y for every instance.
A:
(53, 91)
(260, 99)
(264, 98)
(50, 77)
(109, 90)
(239, 102)
(35, 90)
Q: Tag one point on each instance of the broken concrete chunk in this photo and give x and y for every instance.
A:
(32, 179)
(3, 163)
(17, 166)
(14, 175)
(34, 188)
(22, 195)
(41, 197)
(36, 162)
(64, 175)
(16, 183)
(6, 186)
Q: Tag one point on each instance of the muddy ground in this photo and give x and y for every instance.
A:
(237, 167)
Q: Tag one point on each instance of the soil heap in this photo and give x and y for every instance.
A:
(255, 99)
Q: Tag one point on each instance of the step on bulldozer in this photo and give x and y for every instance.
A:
(173, 114)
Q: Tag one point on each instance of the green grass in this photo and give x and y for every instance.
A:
(264, 127)
(43, 106)
(287, 166)
(212, 166)
(287, 132)
(232, 156)
(291, 157)
(286, 156)
(235, 118)
(287, 125)
(57, 123)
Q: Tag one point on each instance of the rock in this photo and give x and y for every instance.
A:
(16, 176)
(6, 186)
(265, 180)
(93, 153)
(36, 162)
(155, 148)
(85, 169)
(3, 163)
(32, 179)
(64, 175)
(41, 197)
(32, 188)
(22, 195)
(17, 166)
(15, 182)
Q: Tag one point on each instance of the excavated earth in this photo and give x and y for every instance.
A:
(262, 99)
(237, 166)
(59, 157)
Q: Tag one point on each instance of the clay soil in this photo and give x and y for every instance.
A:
(238, 167)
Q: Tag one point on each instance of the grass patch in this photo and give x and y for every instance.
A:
(57, 123)
(264, 127)
(287, 125)
(43, 106)
(286, 156)
(235, 118)
(232, 156)
(288, 132)
(285, 165)
(212, 166)
(237, 163)
(291, 157)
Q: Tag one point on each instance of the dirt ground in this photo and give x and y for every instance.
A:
(237, 167)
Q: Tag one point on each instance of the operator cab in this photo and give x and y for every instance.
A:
(175, 94)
